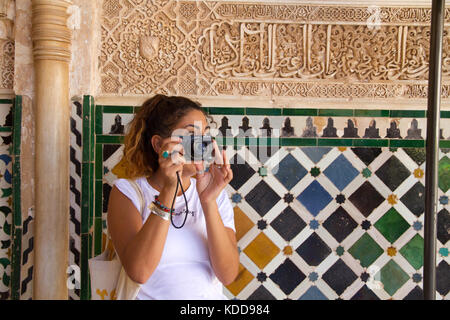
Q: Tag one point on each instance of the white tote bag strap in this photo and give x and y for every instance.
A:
(139, 194)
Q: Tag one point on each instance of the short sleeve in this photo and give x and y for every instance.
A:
(127, 189)
(226, 210)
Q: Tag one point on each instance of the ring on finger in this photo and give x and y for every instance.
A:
(200, 171)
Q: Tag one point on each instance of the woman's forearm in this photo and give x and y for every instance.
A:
(222, 250)
(143, 253)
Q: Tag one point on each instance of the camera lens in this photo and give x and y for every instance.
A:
(198, 148)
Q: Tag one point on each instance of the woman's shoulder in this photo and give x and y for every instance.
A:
(126, 184)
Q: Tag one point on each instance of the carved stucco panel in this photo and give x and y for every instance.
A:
(205, 48)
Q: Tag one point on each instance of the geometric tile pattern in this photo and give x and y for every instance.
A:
(16, 233)
(342, 221)
(76, 130)
(319, 218)
(6, 214)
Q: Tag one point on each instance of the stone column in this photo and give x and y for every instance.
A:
(52, 53)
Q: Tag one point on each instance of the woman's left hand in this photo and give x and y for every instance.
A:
(211, 183)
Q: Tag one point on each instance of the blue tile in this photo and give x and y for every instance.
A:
(314, 198)
(289, 171)
(313, 293)
(341, 172)
(316, 153)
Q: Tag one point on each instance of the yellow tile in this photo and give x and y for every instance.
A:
(242, 280)
(120, 169)
(261, 250)
(242, 223)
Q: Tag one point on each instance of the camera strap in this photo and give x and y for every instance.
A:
(173, 203)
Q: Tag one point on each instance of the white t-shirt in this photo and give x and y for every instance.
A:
(184, 271)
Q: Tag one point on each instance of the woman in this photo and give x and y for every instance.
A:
(170, 263)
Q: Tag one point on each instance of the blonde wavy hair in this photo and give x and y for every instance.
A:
(157, 116)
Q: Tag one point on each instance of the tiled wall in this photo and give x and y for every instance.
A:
(6, 123)
(337, 217)
(16, 241)
(335, 211)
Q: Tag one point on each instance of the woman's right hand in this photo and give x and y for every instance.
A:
(173, 163)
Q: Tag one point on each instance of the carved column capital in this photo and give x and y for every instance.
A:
(6, 19)
(50, 33)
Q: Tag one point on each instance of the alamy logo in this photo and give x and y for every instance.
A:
(374, 21)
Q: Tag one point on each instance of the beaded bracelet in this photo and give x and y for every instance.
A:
(156, 210)
(163, 207)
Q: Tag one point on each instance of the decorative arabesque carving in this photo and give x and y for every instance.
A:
(7, 44)
(206, 48)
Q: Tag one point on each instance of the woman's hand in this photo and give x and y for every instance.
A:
(173, 163)
(211, 183)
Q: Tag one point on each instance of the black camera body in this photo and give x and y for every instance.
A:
(198, 148)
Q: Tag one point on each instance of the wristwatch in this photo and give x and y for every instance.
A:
(159, 212)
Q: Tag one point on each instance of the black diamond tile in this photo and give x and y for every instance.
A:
(443, 278)
(242, 172)
(418, 155)
(366, 198)
(443, 226)
(414, 199)
(393, 173)
(288, 224)
(340, 224)
(339, 277)
(365, 294)
(262, 198)
(314, 250)
(415, 294)
(261, 294)
(287, 276)
(367, 155)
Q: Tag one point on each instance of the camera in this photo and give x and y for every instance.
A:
(198, 148)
